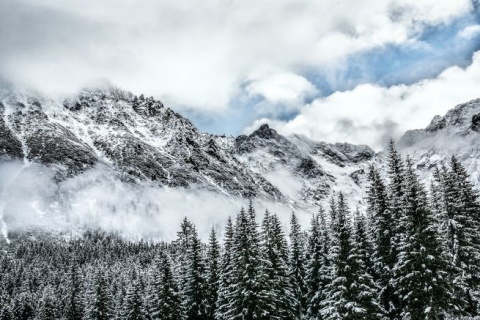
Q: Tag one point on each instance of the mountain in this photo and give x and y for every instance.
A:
(140, 140)
(304, 170)
(456, 133)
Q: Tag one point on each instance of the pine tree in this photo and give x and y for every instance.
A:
(227, 276)
(275, 251)
(319, 268)
(23, 306)
(341, 299)
(365, 289)
(74, 306)
(166, 299)
(194, 303)
(134, 308)
(297, 263)
(47, 305)
(249, 298)
(385, 209)
(213, 274)
(98, 300)
(463, 233)
(421, 276)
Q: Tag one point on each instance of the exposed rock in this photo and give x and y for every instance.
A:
(437, 123)
(475, 122)
(135, 136)
(309, 168)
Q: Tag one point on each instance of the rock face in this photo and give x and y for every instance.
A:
(305, 170)
(136, 137)
(142, 141)
(458, 132)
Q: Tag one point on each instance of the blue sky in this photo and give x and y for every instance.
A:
(429, 52)
(231, 65)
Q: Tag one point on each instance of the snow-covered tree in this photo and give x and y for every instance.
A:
(98, 299)
(134, 306)
(297, 265)
(341, 299)
(249, 297)
(227, 275)
(165, 299)
(365, 289)
(463, 233)
(194, 305)
(47, 305)
(318, 270)
(420, 274)
(74, 305)
(275, 256)
(213, 274)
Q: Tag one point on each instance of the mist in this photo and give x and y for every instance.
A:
(98, 199)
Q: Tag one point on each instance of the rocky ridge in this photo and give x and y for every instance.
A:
(457, 132)
(140, 140)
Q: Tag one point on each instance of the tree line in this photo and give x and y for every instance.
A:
(413, 254)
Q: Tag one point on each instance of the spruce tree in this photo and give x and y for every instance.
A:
(385, 209)
(6, 313)
(341, 298)
(421, 276)
(213, 274)
(166, 299)
(47, 305)
(98, 300)
(23, 306)
(319, 267)
(194, 305)
(74, 306)
(134, 307)
(463, 233)
(227, 275)
(314, 249)
(275, 252)
(365, 289)
(297, 265)
(249, 298)
(181, 247)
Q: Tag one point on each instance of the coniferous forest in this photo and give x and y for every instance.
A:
(413, 253)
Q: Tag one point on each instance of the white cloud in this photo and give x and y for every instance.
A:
(470, 31)
(97, 199)
(371, 114)
(283, 88)
(197, 54)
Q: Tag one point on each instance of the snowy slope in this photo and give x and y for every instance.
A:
(305, 170)
(135, 137)
(456, 133)
(141, 142)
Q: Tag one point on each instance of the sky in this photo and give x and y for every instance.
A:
(336, 71)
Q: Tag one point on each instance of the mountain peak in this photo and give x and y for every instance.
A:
(265, 132)
(462, 120)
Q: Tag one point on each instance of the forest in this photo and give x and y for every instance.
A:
(413, 252)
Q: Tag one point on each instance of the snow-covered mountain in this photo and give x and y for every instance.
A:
(139, 140)
(457, 133)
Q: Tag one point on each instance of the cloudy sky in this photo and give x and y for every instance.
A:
(356, 71)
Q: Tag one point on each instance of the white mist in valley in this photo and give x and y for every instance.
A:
(31, 199)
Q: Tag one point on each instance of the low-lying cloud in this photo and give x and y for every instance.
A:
(371, 114)
(97, 199)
